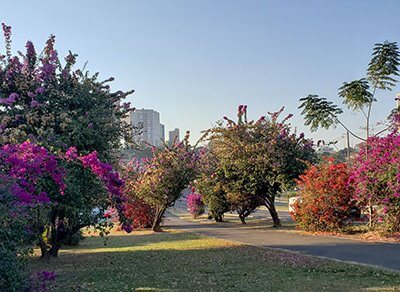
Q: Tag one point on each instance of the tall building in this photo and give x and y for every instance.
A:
(173, 136)
(148, 120)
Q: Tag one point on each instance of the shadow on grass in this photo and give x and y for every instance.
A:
(131, 240)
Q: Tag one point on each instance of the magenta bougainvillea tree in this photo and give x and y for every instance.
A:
(45, 100)
(376, 179)
(41, 181)
(195, 204)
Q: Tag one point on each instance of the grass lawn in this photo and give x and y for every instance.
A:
(180, 261)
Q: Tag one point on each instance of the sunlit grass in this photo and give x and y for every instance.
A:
(180, 261)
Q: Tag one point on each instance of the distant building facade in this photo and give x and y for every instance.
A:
(148, 121)
(173, 137)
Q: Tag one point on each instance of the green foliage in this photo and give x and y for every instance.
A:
(383, 66)
(381, 71)
(355, 94)
(15, 242)
(213, 196)
(319, 112)
(210, 188)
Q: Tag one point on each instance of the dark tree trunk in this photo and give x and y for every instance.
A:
(54, 250)
(274, 215)
(158, 219)
(43, 249)
(242, 218)
(218, 218)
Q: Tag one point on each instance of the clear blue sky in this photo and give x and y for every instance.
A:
(196, 61)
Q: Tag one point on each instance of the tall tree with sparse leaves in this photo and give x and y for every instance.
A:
(358, 95)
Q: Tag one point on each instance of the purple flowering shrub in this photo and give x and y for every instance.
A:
(195, 204)
(32, 167)
(66, 111)
(376, 179)
(45, 184)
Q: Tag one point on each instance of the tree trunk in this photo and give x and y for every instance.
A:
(274, 215)
(43, 249)
(158, 219)
(54, 250)
(242, 218)
(218, 218)
(370, 211)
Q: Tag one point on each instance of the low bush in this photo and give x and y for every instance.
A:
(141, 214)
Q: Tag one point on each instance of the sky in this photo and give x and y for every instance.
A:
(196, 61)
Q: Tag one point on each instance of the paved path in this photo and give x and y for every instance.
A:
(384, 255)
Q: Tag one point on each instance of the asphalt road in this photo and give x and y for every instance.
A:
(384, 255)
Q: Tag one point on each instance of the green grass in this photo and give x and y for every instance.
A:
(180, 261)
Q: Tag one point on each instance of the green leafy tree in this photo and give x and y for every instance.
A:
(257, 160)
(358, 95)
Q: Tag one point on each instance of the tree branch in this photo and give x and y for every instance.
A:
(347, 129)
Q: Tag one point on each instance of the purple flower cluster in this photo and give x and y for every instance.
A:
(28, 164)
(195, 204)
(10, 100)
(42, 281)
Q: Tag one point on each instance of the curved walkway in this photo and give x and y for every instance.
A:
(385, 255)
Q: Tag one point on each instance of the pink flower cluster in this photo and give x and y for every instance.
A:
(27, 164)
(195, 204)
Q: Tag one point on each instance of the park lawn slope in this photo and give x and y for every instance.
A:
(181, 261)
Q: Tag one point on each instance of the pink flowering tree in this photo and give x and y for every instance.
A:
(376, 179)
(256, 160)
(195, 204)
(159, 181)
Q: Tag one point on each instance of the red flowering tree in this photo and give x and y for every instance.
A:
(138, 211)
(376, 179)
(327, 199)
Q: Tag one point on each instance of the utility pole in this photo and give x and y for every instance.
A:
(348, 149)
